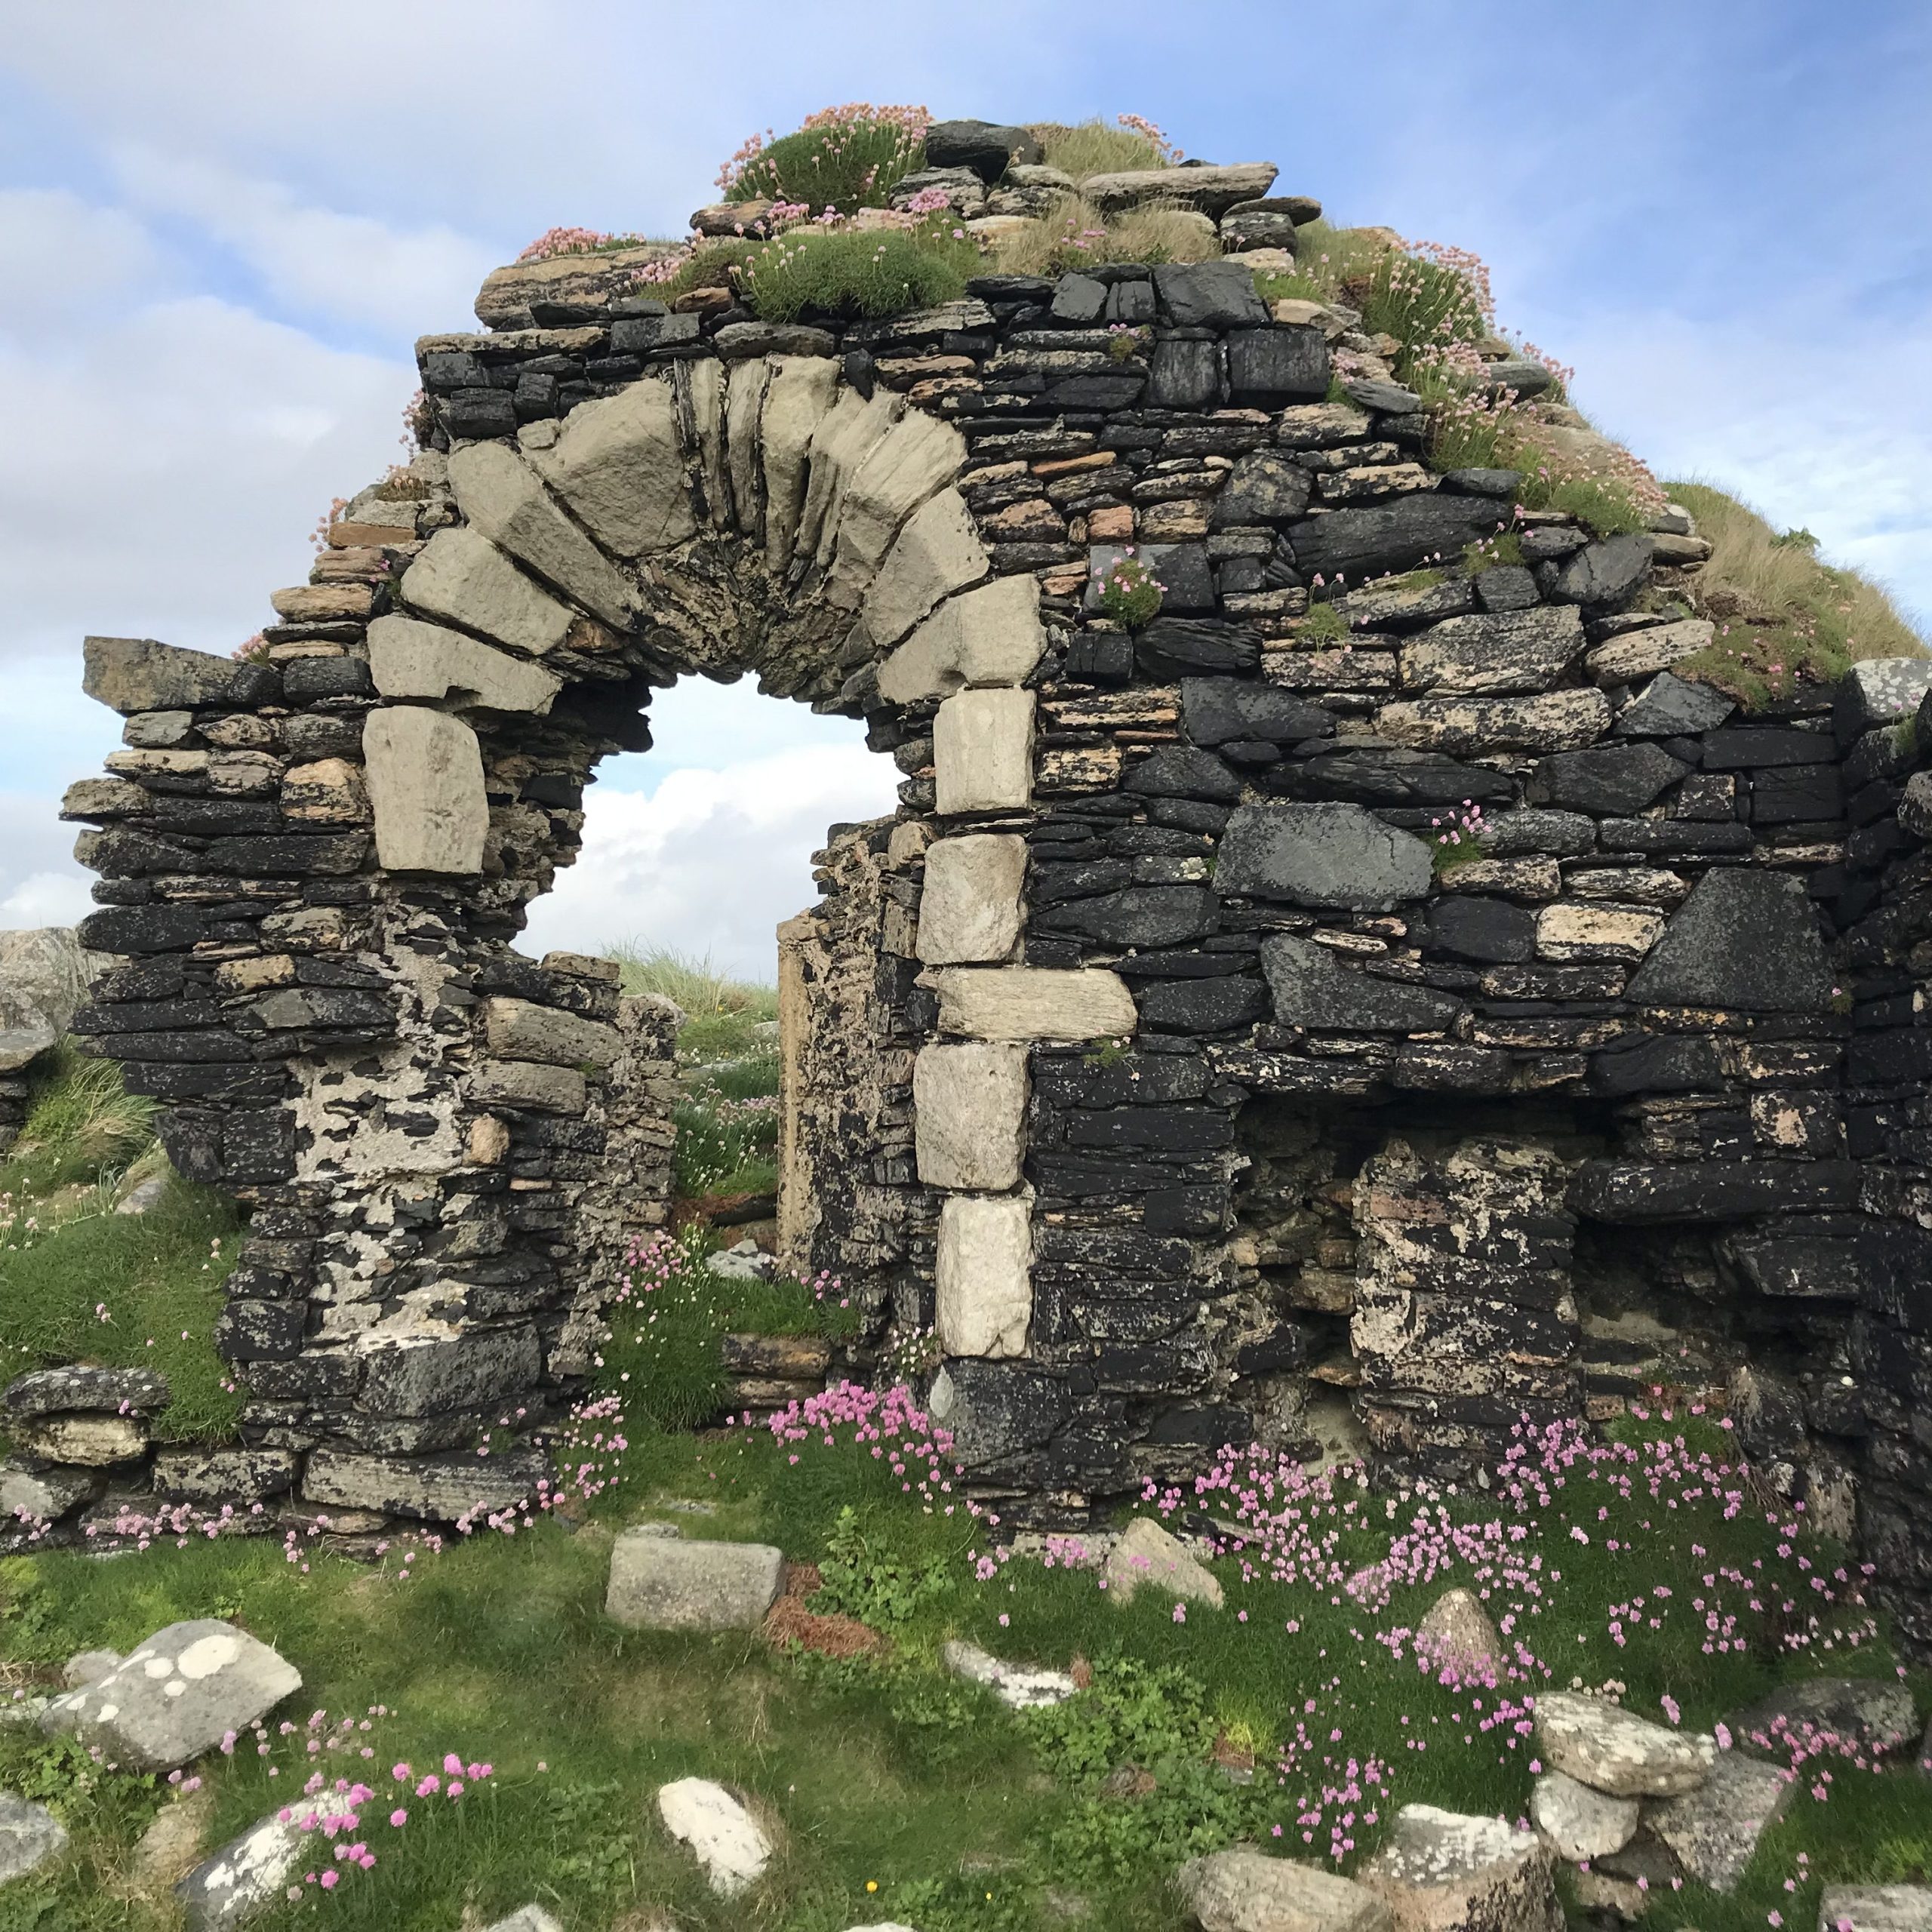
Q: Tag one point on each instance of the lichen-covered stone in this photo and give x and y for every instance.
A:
(1442, 1871)
(1246, 1891)
(1615, 1751)
(659, 1583)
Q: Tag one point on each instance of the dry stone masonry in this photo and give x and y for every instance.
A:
(1147, 1051)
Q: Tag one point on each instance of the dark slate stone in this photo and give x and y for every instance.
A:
(1222, 711)
(1338, 855)
(1676, 837)
(1183, 963)
(1472, 926)
(1416, 529)
(259, 1331)
(1010, 288)
(1606, 574)
(1668, 1063)
(305, 679)
(996, 1410)
(1882, 754)
(1669, 706)
(1201, 1006)
(1172, 648)
(1620, 779)
(986, 147)
(1245, 227)
(1151, 1129)
(46, 1391)
(132, 673)
(1144, 1079)
(1399, 777)
(1797, 794)
(1183, 771)
(1264, 487)
(1271, 366)
(289, 855)
(1742, 939)
(1188, 814)
(471, 415)
(1742, 745)
(1311, 989)
(141, 929)
(1140, 916)
(1385, 399)
(1078, 298)
(638, 336)
(1484, 482)
(1101, 657)
(738, 342)
(1636, 1193)
(1210, 295)
(1506, 587)
(1130, 302)
(1185, 375)
(1186, 578)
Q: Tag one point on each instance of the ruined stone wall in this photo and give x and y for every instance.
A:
(1225, 1108)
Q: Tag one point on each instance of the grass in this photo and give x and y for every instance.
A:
(1093, 147)
(1786, 618)
(1074, 234)
(898, 1792)
(79, 1283)
(812, 271)
(852, 160)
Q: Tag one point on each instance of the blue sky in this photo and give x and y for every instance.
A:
(225, 225)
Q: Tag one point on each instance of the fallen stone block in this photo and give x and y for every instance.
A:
(1614, 1751)
(1147, 1555)
(724, 1836)
(656, 1584)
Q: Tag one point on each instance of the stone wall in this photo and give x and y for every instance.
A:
(1151, 1058)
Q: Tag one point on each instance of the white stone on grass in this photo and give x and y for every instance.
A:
(984, 1288)
(969, 1110)
(1023, 1687)
(501, 496)
(1875, 1908)
(969, 912)
(1147, 1555)
(1615, 1751)
(1445, 1871)
(530, 1918)
(1458, 1634)
(425, 788)
(246, 1875)
(725, 1837)
(1577, 1823)
(1714, 1830)
(656, 1584)
(30, 1837)
(1246, 1891)
(410, 659)
(176, 1695)
(982, 751)
(462, 576)
(1032, 1003)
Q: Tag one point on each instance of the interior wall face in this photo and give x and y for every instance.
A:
(1148, 1054)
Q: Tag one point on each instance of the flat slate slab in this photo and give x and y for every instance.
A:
(657, 1583)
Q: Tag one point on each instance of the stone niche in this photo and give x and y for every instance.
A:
(1149, 1053)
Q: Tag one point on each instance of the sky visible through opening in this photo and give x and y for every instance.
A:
(706, 854)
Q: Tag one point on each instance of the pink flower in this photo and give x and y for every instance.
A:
(398, 1817)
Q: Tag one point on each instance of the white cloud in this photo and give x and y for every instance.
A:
(46, 899)
(712, 861)
(66, 256)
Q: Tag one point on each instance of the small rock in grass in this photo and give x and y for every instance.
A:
(726, 1839)
(883, 1925)
(746, 1262)
(1458, 1634)
(1714, 1830)
(18, 1709)
(1598, 1891)
(30, 1836)
(1147, 1553)
(658, 1583)
(1443, 1871)
(531, 1918)
(241, 1878)
(1869, 1713)
(1245, 1891)
(176, 1695)
(1875, 1908)
(171, 1844)
(86, 1667)
(1023, 1687)
(1577, 1823)
(1613, 1752)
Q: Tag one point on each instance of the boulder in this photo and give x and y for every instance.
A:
(527, 1918)
(1617, 1752)
(1880, 691)
(132, 673)
(1213, 295)
(724, 1836)
(1217, 711)
(44, 977)
(1022, 1686)
(1743, 938)
(435, 1488)
(1713, 1831)
(1642, 654)
(1146, 1554)
(1246, 1891)
(1615, 780)
(988, 148)
(1442, 1871)
(176, 1695)
(1669, 706)
(1359, 544)
(246, 1875)
(656, 1584)
(42, 1496)
(30, 1837)
(1875, 1714)
(91, 1441)
(1313, 989)
(86, 1667)
(1477, 727)
(1875, 1908)
(522, 1029)
(1577, 1823)
(1337, 856)
(1459, 1634)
